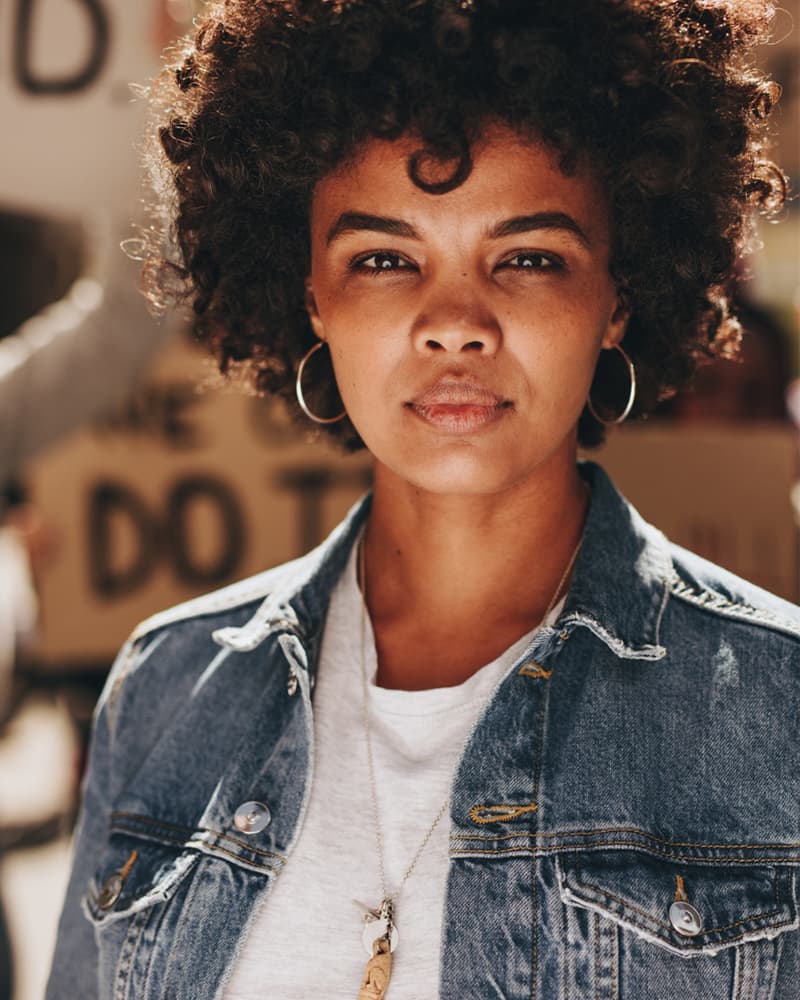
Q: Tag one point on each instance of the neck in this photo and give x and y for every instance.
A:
(452, 581)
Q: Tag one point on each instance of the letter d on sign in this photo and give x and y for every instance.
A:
(114, 510)
(84, 76)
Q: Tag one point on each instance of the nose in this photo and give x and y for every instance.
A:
(455, 318)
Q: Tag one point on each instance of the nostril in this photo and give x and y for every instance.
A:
(454, 341)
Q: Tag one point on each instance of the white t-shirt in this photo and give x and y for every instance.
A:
(306, 940)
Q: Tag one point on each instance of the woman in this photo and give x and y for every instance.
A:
(545, 752)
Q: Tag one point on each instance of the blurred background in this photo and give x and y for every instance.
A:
(130, 480)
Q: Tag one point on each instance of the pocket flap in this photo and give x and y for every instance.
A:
(687, 908)
(133, 874)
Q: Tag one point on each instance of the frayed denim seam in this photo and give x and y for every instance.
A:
(710, 600)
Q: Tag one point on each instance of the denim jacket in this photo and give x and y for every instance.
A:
(624, 817)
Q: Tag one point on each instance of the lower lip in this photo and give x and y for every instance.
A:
(462, 418)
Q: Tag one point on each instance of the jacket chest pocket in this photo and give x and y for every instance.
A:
(132, 876)
(168, 917)
(128, 901)
(668, 929)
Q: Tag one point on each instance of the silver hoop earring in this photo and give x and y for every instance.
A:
(631, 394)
(298, 388)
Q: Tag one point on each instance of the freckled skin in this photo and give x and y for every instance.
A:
(452, 302)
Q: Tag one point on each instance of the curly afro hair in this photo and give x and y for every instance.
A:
(268, 96)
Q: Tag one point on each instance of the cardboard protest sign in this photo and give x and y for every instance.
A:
(71, 125)
(185, 489)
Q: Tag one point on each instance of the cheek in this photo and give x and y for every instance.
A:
(365, 335)
(363, 366)
(561, 345)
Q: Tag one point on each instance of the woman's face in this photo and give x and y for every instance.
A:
(464, 328)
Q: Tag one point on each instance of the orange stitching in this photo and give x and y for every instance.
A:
(476, 852)
(193, 842)
(238, 857)
(129, 947)
(534, 867)
(500, 814)
(534, 669)
(680, 891)
(244, 846)
(627, 829)
(738, 937)
(193, 832)
(614, 959)
(535, 936)
(537, 774)
(739, 969)
(125, 871)
(626, 903)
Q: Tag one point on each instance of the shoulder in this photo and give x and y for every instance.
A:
(717, 594)
(170, 653)
(223, 603)
(648, 597)
(176, 648)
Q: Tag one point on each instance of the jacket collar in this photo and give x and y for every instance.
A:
(300, 591)
(620, 586)
(623, 574)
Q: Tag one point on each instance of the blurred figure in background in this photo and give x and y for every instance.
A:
(18, 609)
(749, 387)
(70, 349)
(18, 604)
(73, 346)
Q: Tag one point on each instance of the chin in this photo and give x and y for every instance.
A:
(458, 475)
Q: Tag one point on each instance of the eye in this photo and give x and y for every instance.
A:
(532, 260)
(381, 262)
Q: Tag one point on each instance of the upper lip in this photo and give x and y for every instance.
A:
(449, 391)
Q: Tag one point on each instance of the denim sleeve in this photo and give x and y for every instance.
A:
(75, 969)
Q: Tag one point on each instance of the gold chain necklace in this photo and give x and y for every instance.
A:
(380, 935)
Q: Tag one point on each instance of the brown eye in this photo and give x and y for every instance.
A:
(382, 261)
(532, 261)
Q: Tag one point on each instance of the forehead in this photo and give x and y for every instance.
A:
(511, 175)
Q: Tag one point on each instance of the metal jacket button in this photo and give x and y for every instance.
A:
(252, 817)
(685, 919)
(110, 891)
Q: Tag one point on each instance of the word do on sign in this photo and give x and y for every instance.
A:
(114, 508)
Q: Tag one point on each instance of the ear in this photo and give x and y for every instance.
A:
(313, 312)
(618, 321)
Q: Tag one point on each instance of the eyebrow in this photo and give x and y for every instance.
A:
(539, 220)
(350, 222)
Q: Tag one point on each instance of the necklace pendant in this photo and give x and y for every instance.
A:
(376, 929)
(386, 911)
(378, 924)
(378, 971)
(367, 913)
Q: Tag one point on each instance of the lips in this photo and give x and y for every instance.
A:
(458, 406)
